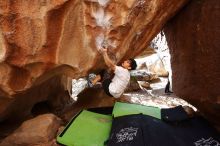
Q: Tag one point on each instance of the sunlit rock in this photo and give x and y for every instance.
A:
(153, 64)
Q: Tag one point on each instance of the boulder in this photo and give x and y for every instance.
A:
(37, 131)
(144, 84)
(153, 64)
(193, 39)
(143, 75)
(132, 85)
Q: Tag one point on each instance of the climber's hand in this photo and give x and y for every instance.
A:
(103, 50)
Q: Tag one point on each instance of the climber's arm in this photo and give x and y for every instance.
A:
(108, 61)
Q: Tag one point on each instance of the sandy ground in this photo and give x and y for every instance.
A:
(154, 97)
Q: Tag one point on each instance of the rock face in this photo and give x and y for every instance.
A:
(38, 131)
(193, 37)
(40, 40)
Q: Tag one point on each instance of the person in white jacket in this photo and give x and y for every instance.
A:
(115, 87)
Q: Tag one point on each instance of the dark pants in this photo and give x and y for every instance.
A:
(106, 80)
(167, 88)
(105, 86)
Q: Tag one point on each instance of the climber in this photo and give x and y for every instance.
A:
(114, 87)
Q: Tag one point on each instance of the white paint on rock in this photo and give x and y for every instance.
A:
(99, 41)
(112, 44)
(77, 87)
(102, 19)
(102, 42)
(103, 2)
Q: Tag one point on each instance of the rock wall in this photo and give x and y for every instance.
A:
(44, 39)
(193, 37)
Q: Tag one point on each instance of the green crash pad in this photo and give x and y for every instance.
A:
(88, 129)
(121, 109)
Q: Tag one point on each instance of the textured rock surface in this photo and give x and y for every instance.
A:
(153, 64)
(38, 131)
(193, 37)
(43, 39)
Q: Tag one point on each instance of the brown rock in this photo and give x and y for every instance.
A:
(143, 75)
(43, 40)
(144, 84)
(51, 143)
(143, 78)
(132, 85)
(89, 98)
(38, 131)
(193, 37)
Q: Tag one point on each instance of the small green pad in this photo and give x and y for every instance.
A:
(122, 109)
